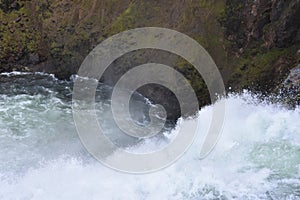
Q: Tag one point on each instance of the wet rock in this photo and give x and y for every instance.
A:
(293, 80)
(290, 89)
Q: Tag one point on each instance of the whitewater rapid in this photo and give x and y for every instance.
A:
(257, 155)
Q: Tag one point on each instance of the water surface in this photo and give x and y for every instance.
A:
(42, 158)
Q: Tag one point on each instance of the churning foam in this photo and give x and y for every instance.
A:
(256, 157)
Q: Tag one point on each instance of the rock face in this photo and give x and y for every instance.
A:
(274, 22)
(264, 35)
(290, 88)
(294, 77)
(253, 42)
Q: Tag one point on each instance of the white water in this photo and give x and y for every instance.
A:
(41, 158)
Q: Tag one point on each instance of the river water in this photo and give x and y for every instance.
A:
(42, 158)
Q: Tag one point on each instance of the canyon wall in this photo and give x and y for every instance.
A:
(253, 42)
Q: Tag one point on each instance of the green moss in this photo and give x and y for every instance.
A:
(257, 71)
(216, 7)
(195, 80)
(20, 35)
(125, 21)
(203, 14)
(137, 14)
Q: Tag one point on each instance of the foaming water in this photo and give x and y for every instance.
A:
(256, 157)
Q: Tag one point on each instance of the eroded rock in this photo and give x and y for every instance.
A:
(290, 89)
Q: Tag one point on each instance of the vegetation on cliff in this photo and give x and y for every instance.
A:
(265, 38)
(254, 43)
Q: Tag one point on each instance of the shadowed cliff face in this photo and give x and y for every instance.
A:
(275, 23)
(264, 36)
(253, 42)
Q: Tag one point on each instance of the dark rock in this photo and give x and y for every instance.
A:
(290, 25)
(15, 6)
(18, 19)
(275, 22)
(155, 93)
(290, 89)
(243, 67)
(10, 5)
(294, 77)
(34, 58)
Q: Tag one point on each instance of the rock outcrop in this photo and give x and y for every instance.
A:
(275, 22)
(264, 35)
(290, 89)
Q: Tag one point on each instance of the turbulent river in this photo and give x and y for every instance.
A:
(41, 157)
